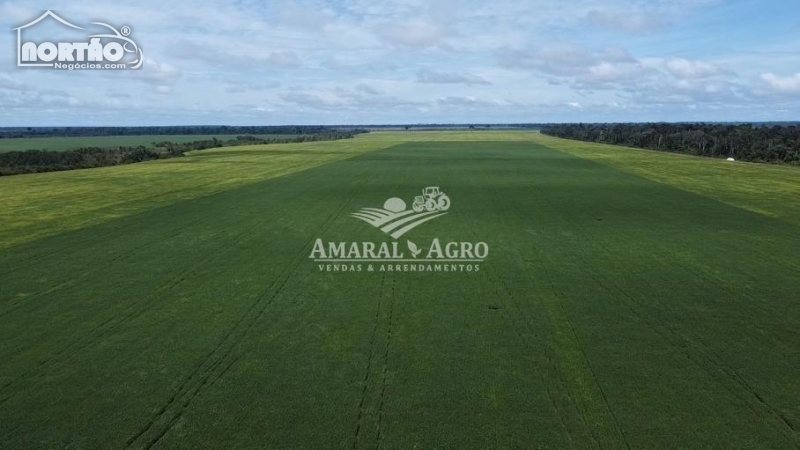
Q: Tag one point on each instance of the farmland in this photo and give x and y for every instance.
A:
(630, 299)
(72, 143)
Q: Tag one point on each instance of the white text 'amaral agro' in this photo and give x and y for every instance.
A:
(396, 219)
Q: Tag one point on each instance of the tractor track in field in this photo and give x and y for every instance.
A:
(507, 293)
(12, 430)
(694, 350)
(182, 369)
(121, 231)
(367, 371)
(674, 338)
(375, 378)
(692, 347)
(134, 310)
(183, 396)
(188, 401)
(511, 301)
(174, 407)
(691, 268)
(88, 273)
(384, 319)
(530, 328)
(615, 422)
(385, 371)
(589, 365)
(696, 344)
(92, 241)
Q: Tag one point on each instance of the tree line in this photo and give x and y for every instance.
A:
(34, 161)
(746, 142)
(26, 132)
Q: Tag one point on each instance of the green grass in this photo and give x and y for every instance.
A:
(618, 308)
(51, 203)
(72, 143)
(767, 189)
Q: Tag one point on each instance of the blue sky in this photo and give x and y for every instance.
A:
(419, 61)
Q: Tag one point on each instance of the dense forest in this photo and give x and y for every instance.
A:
(27, 132)
(34, 161)
(756, 143)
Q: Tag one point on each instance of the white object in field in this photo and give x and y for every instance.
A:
(730, 158)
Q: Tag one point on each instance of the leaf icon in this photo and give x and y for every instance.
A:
(413, 248)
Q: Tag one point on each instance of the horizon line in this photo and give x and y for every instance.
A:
(421, 124)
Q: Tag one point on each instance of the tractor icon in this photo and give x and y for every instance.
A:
(431, 200)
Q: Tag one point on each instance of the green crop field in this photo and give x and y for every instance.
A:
(629, 299)
(72, 143)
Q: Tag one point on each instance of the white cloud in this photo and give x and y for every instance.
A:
(434, 77)
(242, 56)
(783, 85)
(156, 72)
(683, 68)
(393, 60)
(613, 72)
(579, 64)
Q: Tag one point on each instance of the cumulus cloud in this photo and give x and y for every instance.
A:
(16, 94)
(783, 85)
(617, 72)
(683, 68)
(580, 64)
(241, 56)
(434, 77)
(614, 72)
(157, 73)
(406, 60)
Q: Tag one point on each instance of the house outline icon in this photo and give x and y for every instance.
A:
(19, 29)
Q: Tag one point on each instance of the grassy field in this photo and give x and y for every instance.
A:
(71, 143)
(631, 299)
